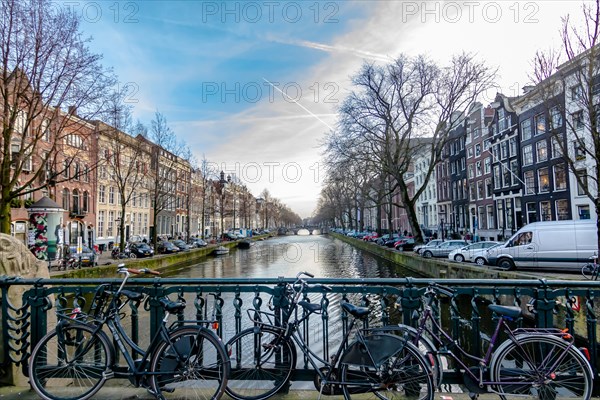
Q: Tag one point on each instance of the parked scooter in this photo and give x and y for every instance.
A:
(116, 254)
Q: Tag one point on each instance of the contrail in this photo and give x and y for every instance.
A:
(299, 105)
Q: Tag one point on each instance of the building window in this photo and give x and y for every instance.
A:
(583, 212)
(560, 177)
(76, 201)
(111, 222)
(562, 209)
(577, 118)
(497, 177)
(507, 180)
(111, 195)
(582, 188)
(86, 202)
(477, 149)
(529, 179)
(488, 188)
(556, 117)
(500, 213)
(488, 165)
(100, 232)
(576, 93)
(541, 149)
(471, 172)
(526, 129)
(504, 147)
(543, 180)
(101, 194)
(579, 148)
(490, 217)
(45, 130)
(531, 212)
(66, 201)
(478, 170)
(556, 147)
(545, 211)
(514, 167)
(480, 192)
(527, 155)
(540, 124)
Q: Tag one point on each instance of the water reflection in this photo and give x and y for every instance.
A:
(287, 255)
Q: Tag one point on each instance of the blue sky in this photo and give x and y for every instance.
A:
(209, 67)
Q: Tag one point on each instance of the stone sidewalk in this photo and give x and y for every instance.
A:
(130, 393)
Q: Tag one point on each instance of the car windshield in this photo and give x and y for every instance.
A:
(84, 249)
(143, 246)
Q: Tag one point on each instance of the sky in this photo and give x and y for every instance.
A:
(253, 87)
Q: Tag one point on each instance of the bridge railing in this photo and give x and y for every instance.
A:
(569, 304)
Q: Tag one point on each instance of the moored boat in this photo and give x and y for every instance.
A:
(245, 244)
(221, 250)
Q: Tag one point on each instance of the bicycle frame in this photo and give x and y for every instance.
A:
(445, 341)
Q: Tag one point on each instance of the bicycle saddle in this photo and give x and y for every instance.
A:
(357, 312)
(135, 296)
(509, 311)
(172, 306)
(311, 307)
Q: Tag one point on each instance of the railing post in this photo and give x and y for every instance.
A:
(410, 302)
(544, 305)
(156, 310)
(592, 324)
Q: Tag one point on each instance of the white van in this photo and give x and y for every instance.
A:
(548, 245)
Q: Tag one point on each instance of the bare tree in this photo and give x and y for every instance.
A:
(47, 68)
(406, 108)
(567, 81)
(163, 173)
(124, 158)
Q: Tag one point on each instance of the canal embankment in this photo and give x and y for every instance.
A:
(433, 267)
(157, 263)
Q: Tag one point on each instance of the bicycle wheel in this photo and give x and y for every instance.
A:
(69, 363)
(403, 374)
(541, 367)
(423, 343)
(589, 271)
(259, 366)
(192, 364)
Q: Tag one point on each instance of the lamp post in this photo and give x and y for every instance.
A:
(222, 182)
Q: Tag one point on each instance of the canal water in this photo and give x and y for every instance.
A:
(285, 256)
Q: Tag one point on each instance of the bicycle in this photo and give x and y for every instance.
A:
(531, 362)
(75, 360)
(263, 357)
(591, 270)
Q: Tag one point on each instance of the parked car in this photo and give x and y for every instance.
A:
(475, 252)
(140, 250)
(381, 240)
(391, 240)
(432, 243)
(443, 249)
(405, 244)
(181, 245)
(229, 236)
(166, 247)
(88, 257)
(550, 244)
(371, 237)
(197, 243)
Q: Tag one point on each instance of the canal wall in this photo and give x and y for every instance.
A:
(157, 263)
(430, 267)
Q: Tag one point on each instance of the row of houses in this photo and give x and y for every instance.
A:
(101, 177)
(512, 162)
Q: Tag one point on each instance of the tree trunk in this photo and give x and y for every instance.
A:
(155, 230)
(5, 214)
(122, 227)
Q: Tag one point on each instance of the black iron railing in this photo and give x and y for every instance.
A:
(569, 304)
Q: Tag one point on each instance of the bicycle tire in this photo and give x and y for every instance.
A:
(589, 271)
(532, 357)
(259, 370)
(423, 343)
(192, 364)
(404, 374)
(69, 363)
